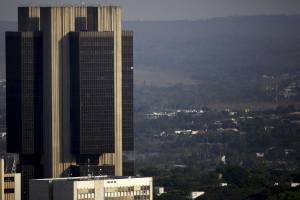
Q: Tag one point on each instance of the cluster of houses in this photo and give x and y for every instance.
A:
(157, 115)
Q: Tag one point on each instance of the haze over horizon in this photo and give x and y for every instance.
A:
(171, 9)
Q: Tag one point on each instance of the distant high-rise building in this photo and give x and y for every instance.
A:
(69, 74)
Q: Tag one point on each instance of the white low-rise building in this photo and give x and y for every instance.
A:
(159, 190)
(260, 155)
(196, 194)
(223, 184)
(293, 185)
(91, 188)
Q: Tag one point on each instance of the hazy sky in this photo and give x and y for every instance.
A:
(171, 9)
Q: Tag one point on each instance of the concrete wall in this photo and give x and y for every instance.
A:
(17, 186)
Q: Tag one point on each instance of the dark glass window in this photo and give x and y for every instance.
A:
(93, 95)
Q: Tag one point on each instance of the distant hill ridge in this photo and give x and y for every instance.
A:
(201, 48)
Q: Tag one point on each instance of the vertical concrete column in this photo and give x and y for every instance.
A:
(56, 28)
(56, 23)
(99, 189)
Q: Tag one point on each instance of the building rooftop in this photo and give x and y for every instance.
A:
(67, 5)
(88, 178)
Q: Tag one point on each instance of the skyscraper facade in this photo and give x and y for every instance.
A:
(70, 92)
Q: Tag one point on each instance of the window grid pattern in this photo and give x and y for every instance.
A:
(31, 92)
(127, 90)
(96, 77)
(27, 173)
(86, 194)
(27, 86)
(126, 193)
(24, 97)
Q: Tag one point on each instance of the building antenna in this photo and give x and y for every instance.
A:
(89, 167)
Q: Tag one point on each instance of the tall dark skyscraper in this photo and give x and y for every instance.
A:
(70, 92)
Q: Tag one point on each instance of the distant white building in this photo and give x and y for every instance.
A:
(91, 188)
(159, 190)
(3, 135)
(223, 159)
(260, 155)
(228, 130)
(293, 185)
(196, 194)
(223, 184)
